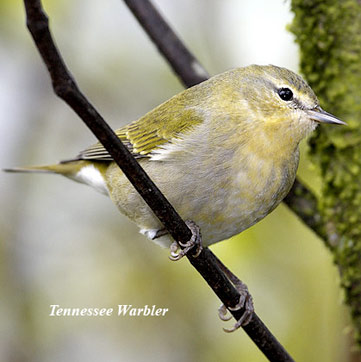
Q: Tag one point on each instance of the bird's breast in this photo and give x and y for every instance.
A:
(257, 186)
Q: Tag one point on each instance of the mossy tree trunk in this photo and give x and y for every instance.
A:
(329, 35)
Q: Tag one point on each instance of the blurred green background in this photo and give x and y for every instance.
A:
(62, 243)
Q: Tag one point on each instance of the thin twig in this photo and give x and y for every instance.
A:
(304, 204)
(185, 65)
(206, 263)
(261, 336)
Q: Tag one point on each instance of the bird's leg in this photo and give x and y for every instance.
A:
(194, 242)
(160, 233)
(245, 301)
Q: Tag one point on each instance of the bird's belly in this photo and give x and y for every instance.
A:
(239, 214)
(252, 196)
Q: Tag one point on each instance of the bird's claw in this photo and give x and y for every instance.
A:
(245, 302)
(195, 241)
(222, 313)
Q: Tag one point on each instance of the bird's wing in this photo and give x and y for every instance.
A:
(150, 132)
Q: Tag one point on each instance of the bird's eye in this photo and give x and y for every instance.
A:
(285, 94)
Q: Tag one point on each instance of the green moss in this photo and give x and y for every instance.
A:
(329, 35)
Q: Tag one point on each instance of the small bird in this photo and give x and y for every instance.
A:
(224, 152)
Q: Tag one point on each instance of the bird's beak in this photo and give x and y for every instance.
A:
(319, 115)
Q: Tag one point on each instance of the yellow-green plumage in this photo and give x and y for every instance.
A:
(224, 152)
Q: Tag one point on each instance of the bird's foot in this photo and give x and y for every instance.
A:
(245, 302)
(194, 242)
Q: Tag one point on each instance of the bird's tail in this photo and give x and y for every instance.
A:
(83, 171)
(66, 168)
(31, 169)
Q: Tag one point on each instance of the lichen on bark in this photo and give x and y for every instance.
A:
(329, 36)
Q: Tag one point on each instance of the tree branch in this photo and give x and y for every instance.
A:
(206, 263)
(304, 204)
(182, 61)
(300, 199)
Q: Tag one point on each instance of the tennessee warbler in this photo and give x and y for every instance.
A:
(224, 152)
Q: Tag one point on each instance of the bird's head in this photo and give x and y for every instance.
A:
(278, 100)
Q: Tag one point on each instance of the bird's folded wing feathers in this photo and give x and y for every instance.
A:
(148, 133)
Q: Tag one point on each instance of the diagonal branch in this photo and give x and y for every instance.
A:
(66, 88)
(300, 199)
(206, 263)
(304, 204)
(183, 62)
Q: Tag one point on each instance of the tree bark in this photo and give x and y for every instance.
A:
(329, 35)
